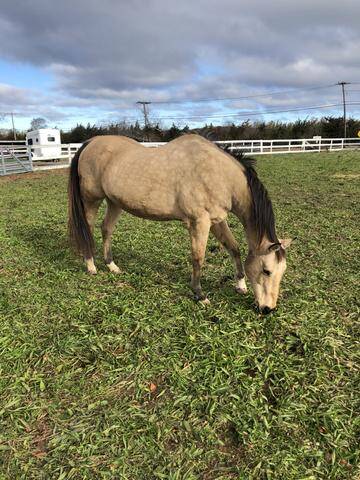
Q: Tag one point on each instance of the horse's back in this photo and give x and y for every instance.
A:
(177, 180)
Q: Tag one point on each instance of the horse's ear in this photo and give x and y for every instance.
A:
(268, 247)
(274, 247)
(286, 242)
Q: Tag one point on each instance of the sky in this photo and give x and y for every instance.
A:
(86, 61)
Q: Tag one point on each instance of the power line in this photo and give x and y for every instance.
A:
(259, 112)
(13, 126)
(146, 116)
(344, 103)
(145, 112)
(249, 113)
(239, 114)
(10, 113)
(270, 94)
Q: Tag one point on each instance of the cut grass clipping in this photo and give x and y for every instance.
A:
(125, 377)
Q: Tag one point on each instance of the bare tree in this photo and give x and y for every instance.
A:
(38, 122)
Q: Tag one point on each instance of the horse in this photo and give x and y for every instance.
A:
(191, 180)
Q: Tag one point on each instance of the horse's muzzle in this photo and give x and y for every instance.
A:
(266, 310)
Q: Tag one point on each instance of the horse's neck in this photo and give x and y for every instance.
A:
(242, 209)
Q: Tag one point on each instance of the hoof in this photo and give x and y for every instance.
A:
(113, 268)
(92, 272)
(205, 301)
(241, 287)
(200, 297)
(241, 290)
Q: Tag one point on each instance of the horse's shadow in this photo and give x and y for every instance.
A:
(49, 244)
(137, 262)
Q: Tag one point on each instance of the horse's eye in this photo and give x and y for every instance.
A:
(266, 272)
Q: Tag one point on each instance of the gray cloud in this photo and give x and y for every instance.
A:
(109, 54)
(10, 95)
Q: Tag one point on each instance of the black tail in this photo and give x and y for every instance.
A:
(79, 229)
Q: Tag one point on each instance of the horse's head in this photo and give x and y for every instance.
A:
(265, 268)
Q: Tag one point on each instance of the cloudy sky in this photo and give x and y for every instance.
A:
(91, 61)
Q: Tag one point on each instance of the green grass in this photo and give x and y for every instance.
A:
(125, 377)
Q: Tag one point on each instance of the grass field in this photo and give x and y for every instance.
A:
(125, 377)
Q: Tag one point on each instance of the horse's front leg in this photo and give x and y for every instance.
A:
(199, 234)
(223, 233)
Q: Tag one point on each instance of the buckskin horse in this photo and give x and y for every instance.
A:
(190, 179)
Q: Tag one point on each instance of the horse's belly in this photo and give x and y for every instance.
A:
(152, 214)
(155, 206)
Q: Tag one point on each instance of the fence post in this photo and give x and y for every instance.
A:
(28, 148)
(69, 153)
(3, 162)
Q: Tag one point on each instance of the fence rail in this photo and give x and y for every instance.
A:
(16, 157)
(263, 147)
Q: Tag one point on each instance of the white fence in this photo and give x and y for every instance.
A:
(16, 157)
(262, 147)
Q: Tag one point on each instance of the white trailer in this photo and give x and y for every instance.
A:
(45, 143)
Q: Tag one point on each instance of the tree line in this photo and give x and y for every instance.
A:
(331, 127)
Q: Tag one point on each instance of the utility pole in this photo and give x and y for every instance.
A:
(13, 125)
(344, 104)
(146, 116)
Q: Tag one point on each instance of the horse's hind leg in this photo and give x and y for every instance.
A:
(223, 233)
(199, 233)
(111, 216)
(91, 209)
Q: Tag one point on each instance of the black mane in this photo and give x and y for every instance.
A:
(262, 214)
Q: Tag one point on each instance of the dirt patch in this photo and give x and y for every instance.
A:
(33, 175)
(41, 434)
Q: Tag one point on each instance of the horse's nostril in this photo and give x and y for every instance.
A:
(266, 310)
